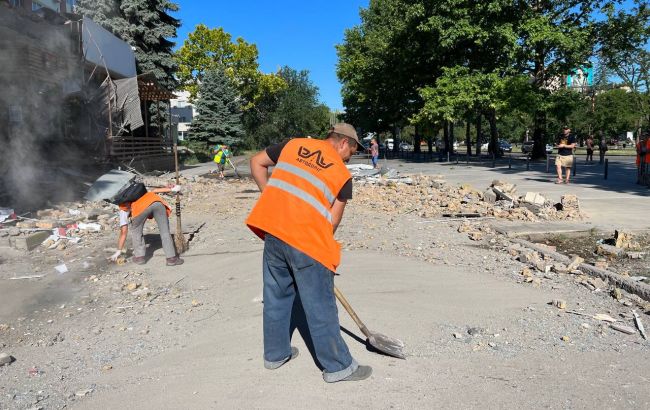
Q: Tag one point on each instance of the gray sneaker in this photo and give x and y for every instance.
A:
(362, 373)
(275, 365)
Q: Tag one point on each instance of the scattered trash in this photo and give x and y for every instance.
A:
(6, 213)
(89, 226)
(639, 324)
(604, 317)
(83, 393)
(26, 277)
(622, 328)
(61, 268)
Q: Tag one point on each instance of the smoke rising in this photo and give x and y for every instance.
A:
(42, 146)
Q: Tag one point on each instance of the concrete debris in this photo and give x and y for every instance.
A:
(5, 359)
(624, 240)
(558, 303)
(570, 203)
(609, 250)
(636, 255)
(476, 236)
(83, 393)
(617, 294)
(490, 196)
(623, 328)
(534, 198)
(575, 263)
(530, 257)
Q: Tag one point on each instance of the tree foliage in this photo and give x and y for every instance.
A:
(294, 111)
(429, 62)
(219, 112)
(206, 49)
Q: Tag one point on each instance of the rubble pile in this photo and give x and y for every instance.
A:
(57, 228)
(543, 268)
(432, 196)
(621, 245)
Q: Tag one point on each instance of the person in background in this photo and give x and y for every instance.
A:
(590, 149)
(374, 152)
(135, 214)
(602, 149)
(221, 154)
(564, 159)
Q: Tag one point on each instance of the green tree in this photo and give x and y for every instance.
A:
(206, 49)
(291, 112)
(219, 112)
(624, 50)
(146, 25)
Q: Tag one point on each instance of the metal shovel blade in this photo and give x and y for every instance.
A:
(386, 344)
(381, 343)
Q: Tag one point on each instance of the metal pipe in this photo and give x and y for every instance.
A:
(606, 167)
(527, 162)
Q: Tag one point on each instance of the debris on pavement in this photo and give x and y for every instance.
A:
(6, 359)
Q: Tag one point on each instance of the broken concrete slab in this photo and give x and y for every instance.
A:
(609, 250)
(489, 196)
(534, 198)
(29, 242)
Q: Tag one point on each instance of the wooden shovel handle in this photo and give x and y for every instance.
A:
(351, 311)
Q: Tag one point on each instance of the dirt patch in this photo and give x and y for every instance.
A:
(586, 247)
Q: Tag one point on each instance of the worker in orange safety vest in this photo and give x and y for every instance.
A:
(300, 208)
(135, 214)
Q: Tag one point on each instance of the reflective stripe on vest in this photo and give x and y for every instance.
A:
(297, 192)
(309, 177)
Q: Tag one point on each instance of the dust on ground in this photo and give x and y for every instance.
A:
(69, 331)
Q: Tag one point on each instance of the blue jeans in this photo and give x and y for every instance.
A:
(375, 160)
(289, 273)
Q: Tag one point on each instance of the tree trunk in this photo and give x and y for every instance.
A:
(468, 137)
(479, 136)
(430, 144)
(452, 138)
(493, 147)
(445, 136)
(416, 140)
(539, 148)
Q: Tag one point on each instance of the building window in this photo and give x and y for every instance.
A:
(182, 119)
(36, 6)
(16, 3)
(69, 6)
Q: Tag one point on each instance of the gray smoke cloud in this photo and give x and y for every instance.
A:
(42, 134)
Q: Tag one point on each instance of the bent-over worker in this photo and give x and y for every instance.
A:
(300, 207)
(149, 206)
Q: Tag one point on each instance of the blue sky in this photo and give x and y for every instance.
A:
(297, 33)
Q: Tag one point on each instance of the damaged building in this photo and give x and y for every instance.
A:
(72, 104)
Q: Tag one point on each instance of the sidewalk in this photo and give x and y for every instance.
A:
(615, 203)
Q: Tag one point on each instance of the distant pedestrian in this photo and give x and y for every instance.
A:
(602, 149)
(374, 152)
(221, 155)
(590, 149)
(564, 159)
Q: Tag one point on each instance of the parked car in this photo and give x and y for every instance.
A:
(527, 147)
(405, 146)
(504, 146)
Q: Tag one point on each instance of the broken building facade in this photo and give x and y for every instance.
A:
(70, 95)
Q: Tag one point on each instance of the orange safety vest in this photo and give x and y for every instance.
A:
(138, 207)
(296, 204)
